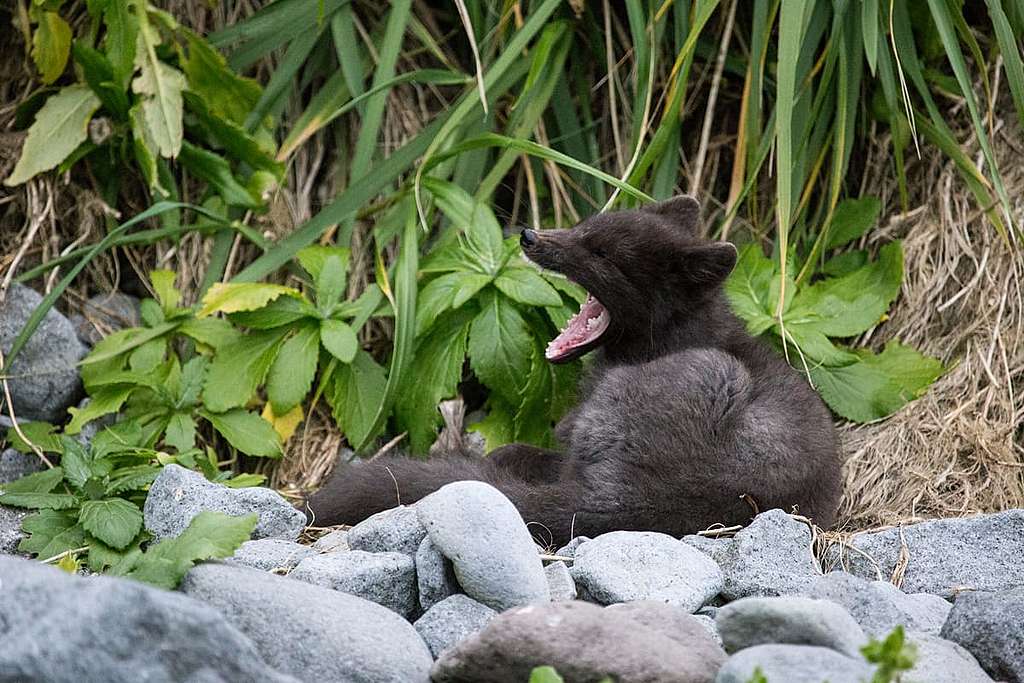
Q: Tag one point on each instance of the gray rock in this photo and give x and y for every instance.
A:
(582, 642)
(708, 624)
(93, 427)
(10, 529)
(991, 626)
(43, 378)
(641, 565)
(476, 527)
(672, 622)
(451, 621)
(712, 547)
(387, 579)
(179, 494)
(770, 557)
(396, 530)
(942, 661)
(560, 582)
(569, 549)
(58, 627)
(879, 606)
(435, 575)
(334, 542)
(986, 549)
(792, 620)
(313, 633)
(270, 555)
(15, 465)
(794, 664)
(105, 314)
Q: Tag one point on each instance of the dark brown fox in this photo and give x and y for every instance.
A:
(684, 421)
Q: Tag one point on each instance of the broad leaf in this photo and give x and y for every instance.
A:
(527, 287)
(434, 299)
(60, 126)
(355, 392)
(239, 368)
(193, 374)
(132, 478)
(285, 425)
(748, 287)
(75, 462)
(225, 93)
(339, 339)
(282, 311)
(231, 297)
(39, 501)
(210, 332)
(37, 482)
(51, 45)
(852, 218)
(216, 171)
(291, 375)
(248, 432)
(51, 533)
(474, 219)
(159, 87)
(41, 434)
(240, 145)
(500, 347)
(313, 258)
(115, 521)
(122, 37)
(497, 428)
(103, 401)
(163, 286)
(180, 432)
(330, 283)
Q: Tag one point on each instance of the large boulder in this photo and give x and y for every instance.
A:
(58, 627)
(451, 621)
(643, 565)
(180, 494)
(942, 661)
(476, 527)
(945, 556)
(990, 625)
(388, 579)
(313, 633)
(796, 621)
(794, 664)
(44, 378)
(583, 642)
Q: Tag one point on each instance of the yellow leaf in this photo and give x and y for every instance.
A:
(232, 297)
(285, 425)
(51, 45)
(69, 564)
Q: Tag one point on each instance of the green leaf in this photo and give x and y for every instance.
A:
(102, 557)
(245, 480)
(239, 368)
(75, 462)
(248, 432)
(339, 339)
(159, 86)
(845, 263)
(283, 311)
(497, 428)
(51, 45)
(313, 258)
(225, 93)
(291, 375)
(37, 482)
(231, 297)
(132, 478)
(330, 283)
(473, 218)
(235, 140)
(545, 674)
(144, 147)
(210, 535)
(122, 37)
(39, 433)
(40, 501)
(527, 287)
(211, 332)
(436, 298)
(748, 288)
(99, 74)
(852, 218)
(180, 432)
(115, 521)
(193, 374)
(500, 347)
(166, 293)
(216, 171)
(434, 376)
(123, 341)
(51, 533)
(103, 401)
(356, 390)
(848, 305)
(60, 126)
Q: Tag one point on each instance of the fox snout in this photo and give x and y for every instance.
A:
(527, 238)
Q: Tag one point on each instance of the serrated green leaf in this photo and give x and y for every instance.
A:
(193, 374)
(225, 93)
(468, 286)
(330, 283)
(355, 392)
(473, 218)
(210, 535)
(60, 127)
(211, 332)
(339, 339)
(434, 376)
(102, 557)
(180, 432)
(748, 287)
(103, 401)
(565, 286)
(248, 432)
(233, 138)
(37, 482)
(159, 87)
(845, 263)
(121, 39)
(145, 359)
(527, 287)
(115, 521)
(51, 45)
(497, 428)
(239, 368)
(39, 433)
(434, 299)
(51, 533)
(852, 218)
(232, 297)
(291, 375)
(39, 501)
(313, 258)
(123, 341)
(134, 477)
(166, 293)
(75, 462)
(500, 347)
(282, 311)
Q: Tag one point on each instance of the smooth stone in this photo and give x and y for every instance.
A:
(451, 621)
(794, 664)
(396, 530)
(334, 542)
(560, 581)
(476, 527)
(990, 626)
(622, 566)
(569, 549)
(946, 556)
(43, 379)
(675, 623)
(879, 606)
(58, 627)
(311, 632)
(15, 465)
(583, 642)
(388, 579)
(105, 314)
(942, 661)
(435, 575)
(270, 555)
(180, 494)
(792, 620)
(708, 624)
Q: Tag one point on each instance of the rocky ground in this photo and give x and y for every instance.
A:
(454, 588)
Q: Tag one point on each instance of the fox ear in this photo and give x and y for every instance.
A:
(708, 264)
(683, 210)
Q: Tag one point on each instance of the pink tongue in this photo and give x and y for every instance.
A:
(583, 328)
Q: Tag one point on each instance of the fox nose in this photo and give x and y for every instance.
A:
(528, 237)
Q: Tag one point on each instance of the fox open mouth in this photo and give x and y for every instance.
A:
(582, 330)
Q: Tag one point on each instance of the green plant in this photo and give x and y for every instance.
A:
(91, 505)
(893, 655)
(852, 296)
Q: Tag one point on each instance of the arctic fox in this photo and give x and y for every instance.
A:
(684, 420)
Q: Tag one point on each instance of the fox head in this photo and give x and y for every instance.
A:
(644, 270)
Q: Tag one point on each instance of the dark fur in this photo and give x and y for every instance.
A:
(684, 420)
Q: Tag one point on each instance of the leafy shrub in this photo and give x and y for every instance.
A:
(893, 655)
